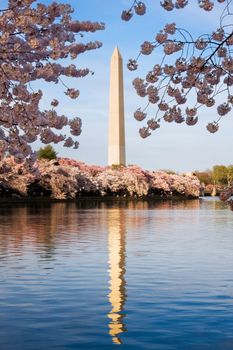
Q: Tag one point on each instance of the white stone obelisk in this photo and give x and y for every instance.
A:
(116, 135)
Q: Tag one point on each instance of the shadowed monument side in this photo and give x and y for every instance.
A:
(116, 133)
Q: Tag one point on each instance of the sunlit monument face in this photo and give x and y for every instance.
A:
(116, 140)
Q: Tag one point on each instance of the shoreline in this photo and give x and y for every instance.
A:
(87, 199)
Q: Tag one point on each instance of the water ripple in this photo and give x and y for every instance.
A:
(143, 275)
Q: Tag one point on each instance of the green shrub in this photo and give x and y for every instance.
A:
(47, 152)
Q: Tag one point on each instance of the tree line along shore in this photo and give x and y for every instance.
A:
(64, 178)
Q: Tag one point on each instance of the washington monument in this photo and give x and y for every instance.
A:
(116, 133)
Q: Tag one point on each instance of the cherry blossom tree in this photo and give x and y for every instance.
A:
(66, 178)
(194, 72)
(36, 40)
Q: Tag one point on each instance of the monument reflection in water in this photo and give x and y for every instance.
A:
(117, 284)
(117, 228)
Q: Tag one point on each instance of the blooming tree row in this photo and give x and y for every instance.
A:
(193, 72)
(65, 178)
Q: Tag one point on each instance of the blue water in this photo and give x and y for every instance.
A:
(132, 275)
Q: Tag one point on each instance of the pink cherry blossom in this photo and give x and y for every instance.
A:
(212, 127)
(139, 115)
(65, 178)
(140, 8)
(33, 37)
(197, 71)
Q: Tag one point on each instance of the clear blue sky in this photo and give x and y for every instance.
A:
(173, 146)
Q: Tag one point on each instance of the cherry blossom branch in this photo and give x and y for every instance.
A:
(32, 39)
(167, 86)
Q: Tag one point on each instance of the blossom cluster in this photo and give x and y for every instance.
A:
(200, 71)
(67, 178)
(33, 36)
(139, 7)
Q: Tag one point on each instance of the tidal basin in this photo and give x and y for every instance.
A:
(106, 275)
